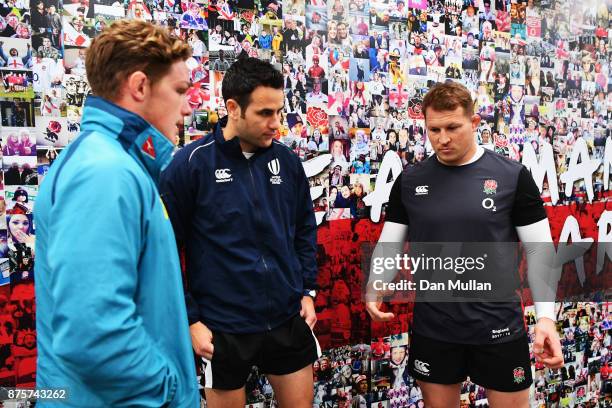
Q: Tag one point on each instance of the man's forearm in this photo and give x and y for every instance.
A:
(389, 245)
(540, 253)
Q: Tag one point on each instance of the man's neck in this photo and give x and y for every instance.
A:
(478, 152)
(229, 133)
(477, 155)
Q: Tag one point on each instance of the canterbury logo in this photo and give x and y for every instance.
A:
(223, 175)
(421, 190)
(421, 367)
(274, 167)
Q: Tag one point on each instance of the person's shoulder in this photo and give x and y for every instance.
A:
(284, 151)
(101, 161)
(501, 162)
(105, 155)
(287, 155)
(195, 149)
(422, 167)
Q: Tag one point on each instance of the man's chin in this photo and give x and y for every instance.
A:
(173, 136)
(266, 143)
(447, 157)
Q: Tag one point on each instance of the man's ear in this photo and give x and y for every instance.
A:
(233, 109)
(475, 121)
(137, 86)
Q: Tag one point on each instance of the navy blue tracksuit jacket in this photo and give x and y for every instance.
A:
(248, 229)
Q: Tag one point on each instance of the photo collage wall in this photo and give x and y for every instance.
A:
(355, 75)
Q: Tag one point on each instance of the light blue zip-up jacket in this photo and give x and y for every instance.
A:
(110, 311)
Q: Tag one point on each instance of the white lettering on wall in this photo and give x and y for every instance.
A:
(544, 167)
(581, 167)
(391, 165)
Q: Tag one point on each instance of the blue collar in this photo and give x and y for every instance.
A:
(140, 139)
(231, 146)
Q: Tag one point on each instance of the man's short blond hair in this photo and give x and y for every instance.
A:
(448, 96)
(128, 46)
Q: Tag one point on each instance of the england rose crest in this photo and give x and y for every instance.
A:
(490, 186)
(519, 375)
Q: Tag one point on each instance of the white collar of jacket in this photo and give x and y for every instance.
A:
(140, 139)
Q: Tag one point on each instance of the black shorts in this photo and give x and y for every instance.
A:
(504, 367)
(282, 350)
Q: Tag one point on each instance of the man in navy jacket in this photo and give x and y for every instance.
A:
(240, 206)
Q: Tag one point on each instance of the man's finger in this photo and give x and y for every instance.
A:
(207, 348)
(377, 315)
(201, 351)
(553, 362)
(538, 343)
(372, 308)
(554, 347)
(386, 316)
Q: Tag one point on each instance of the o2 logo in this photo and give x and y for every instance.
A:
(489, 204)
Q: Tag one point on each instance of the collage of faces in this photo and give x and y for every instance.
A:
(356, 72)
(355, 75)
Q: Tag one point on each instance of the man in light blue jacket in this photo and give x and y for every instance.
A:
(111, 319)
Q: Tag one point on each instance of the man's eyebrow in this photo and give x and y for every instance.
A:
(262, 110)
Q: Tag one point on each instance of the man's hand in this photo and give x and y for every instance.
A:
(308, 311)
(201, 340)
(376, 314)
(374, 300)
(547, 345)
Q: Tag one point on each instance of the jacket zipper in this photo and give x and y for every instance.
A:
(256, 202)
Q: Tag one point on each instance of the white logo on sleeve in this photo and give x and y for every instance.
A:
(223, 175)
(421, 367)
(421, 190)
(274, 167)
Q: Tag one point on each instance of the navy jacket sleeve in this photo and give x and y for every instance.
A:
(306, 230)
(177, 187)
